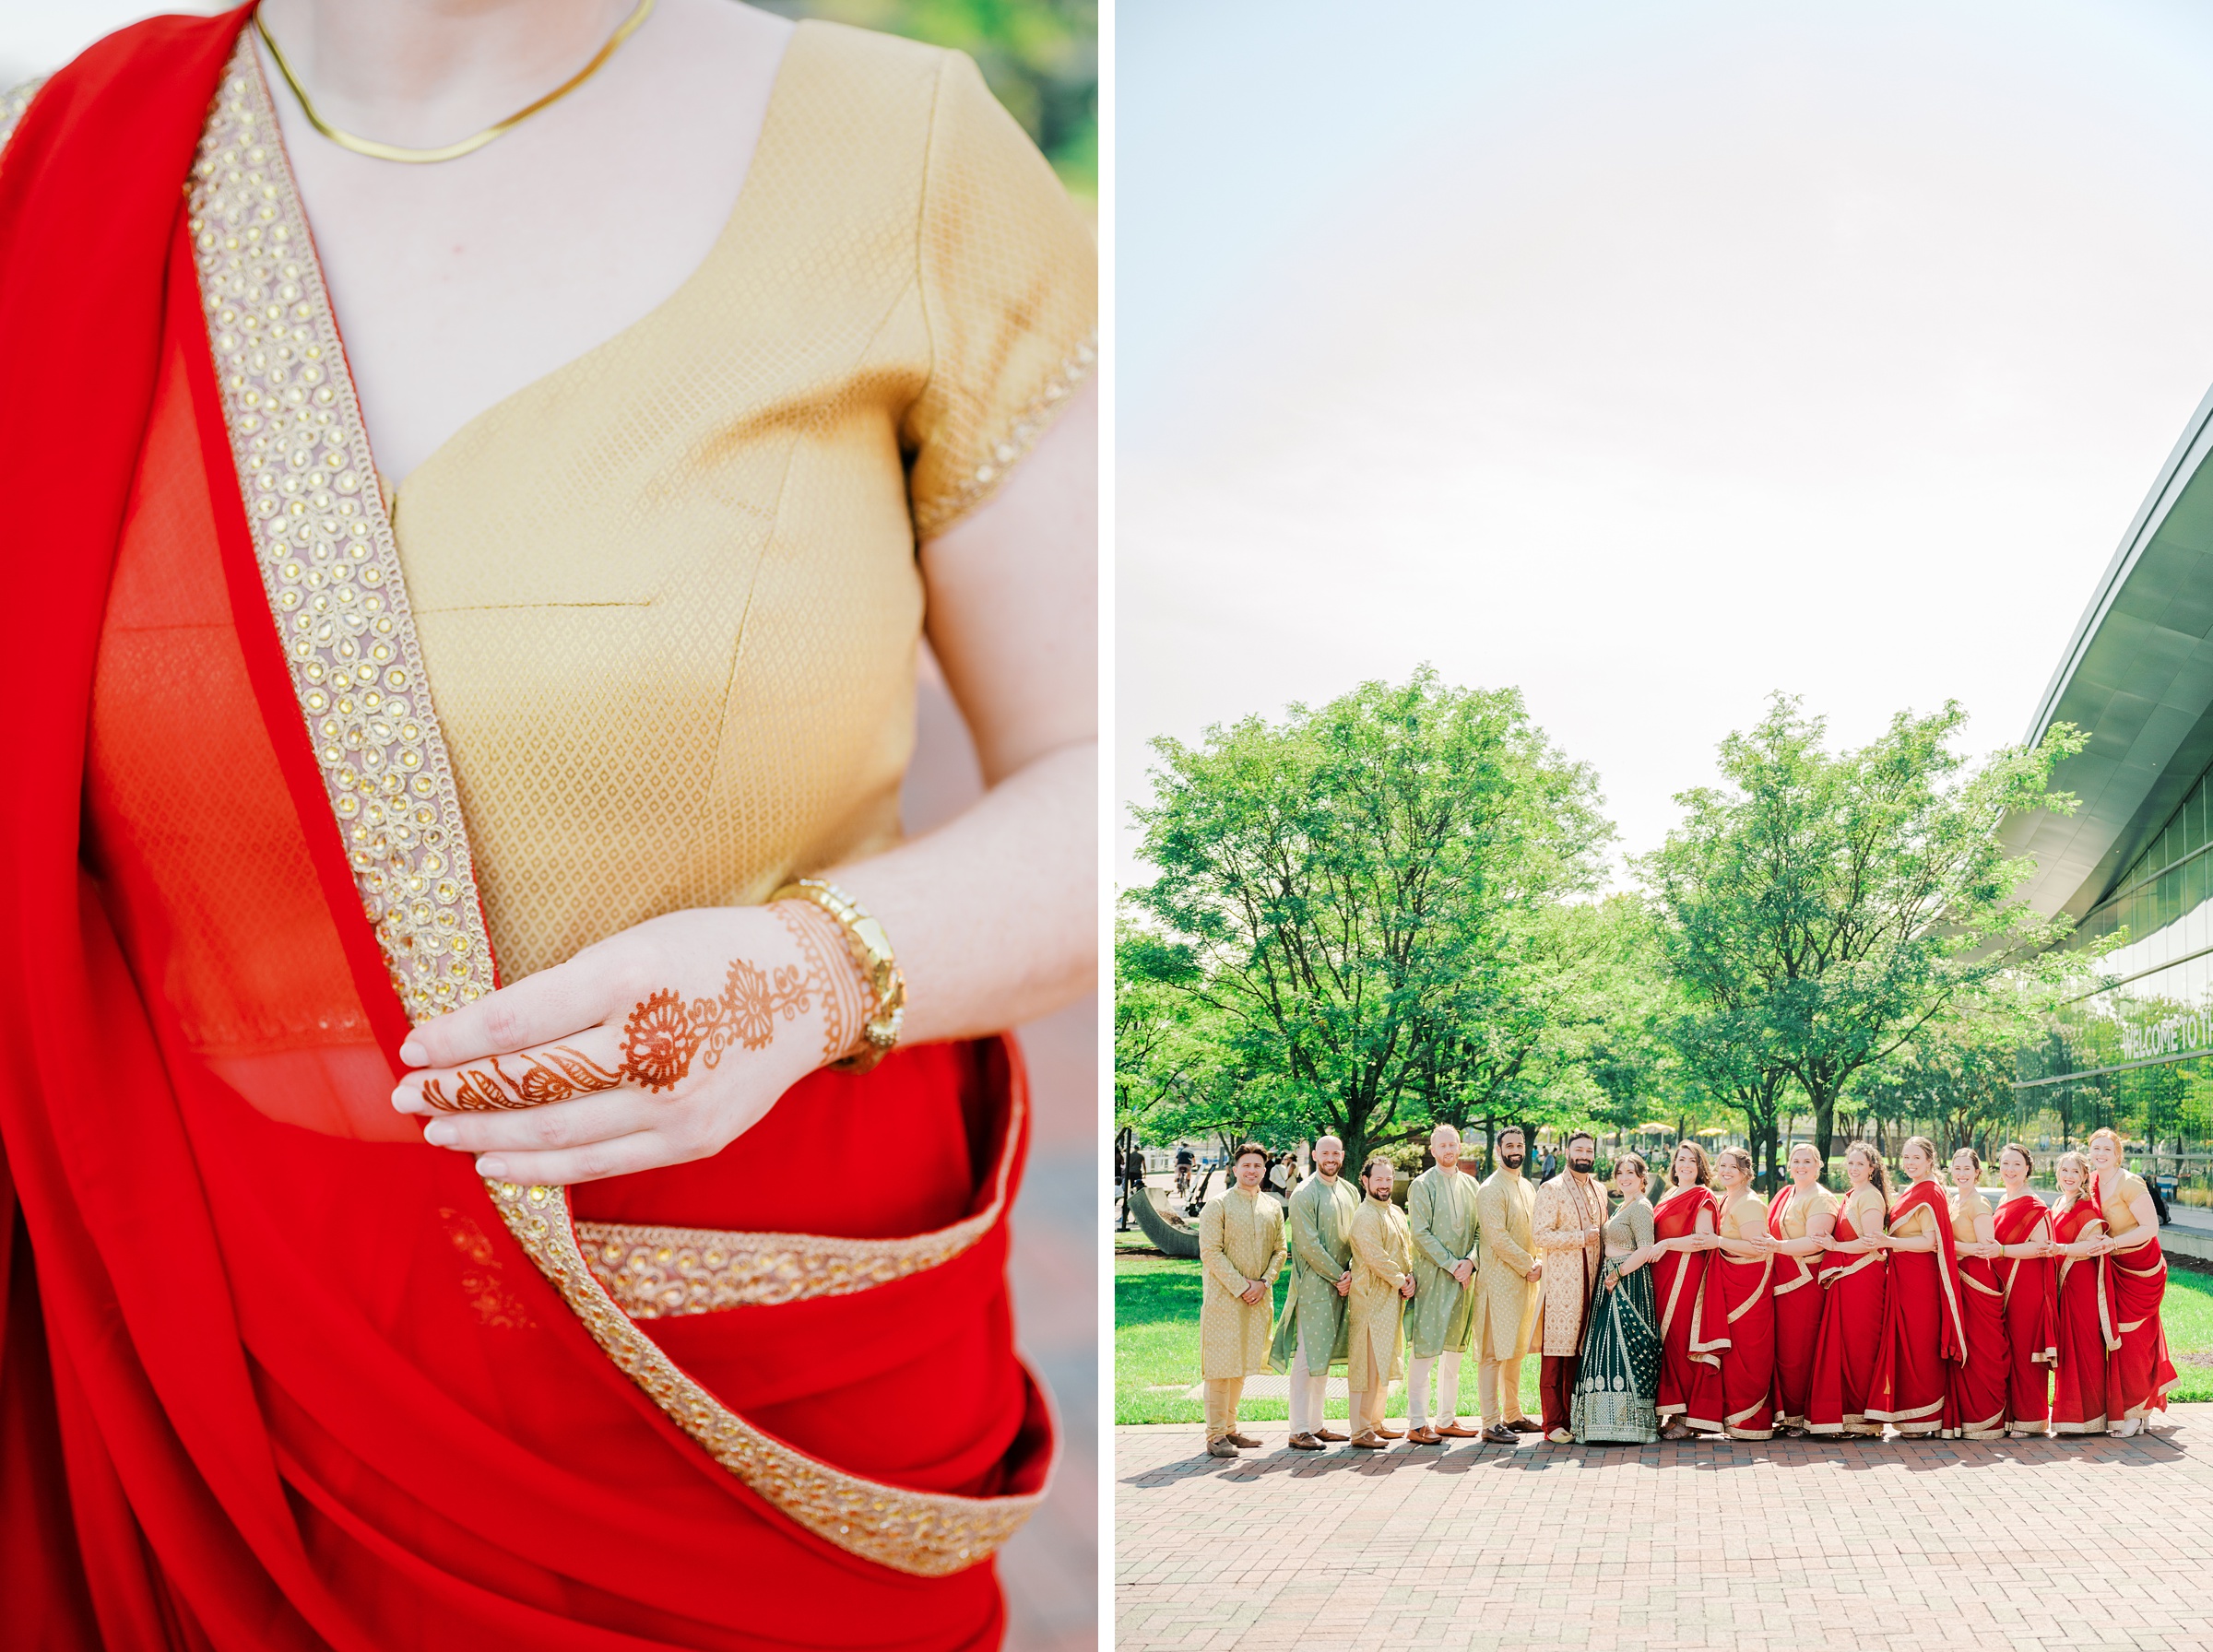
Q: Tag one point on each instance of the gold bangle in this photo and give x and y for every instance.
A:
(872, 950)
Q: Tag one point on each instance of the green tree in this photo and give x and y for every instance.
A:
(1822, 907)
(1370, 895)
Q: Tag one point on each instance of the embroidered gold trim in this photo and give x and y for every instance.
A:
(1015, 444)
(657, 1273)
(13, 102)
(331, 569)
(326, 554)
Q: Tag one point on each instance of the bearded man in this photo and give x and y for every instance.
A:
(1569, 1220)
(1505, 1290)
(1240, 1251)
(1382, 1280)
(1441, 1218)
(1310, 1336)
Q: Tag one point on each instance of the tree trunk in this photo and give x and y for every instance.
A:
(1825, 1124)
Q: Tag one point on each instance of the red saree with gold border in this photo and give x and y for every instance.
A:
(2082, 1324)
(1689, 1367)
(1855, 1290)
(2027, 1283)
(2140, 1372)
(1746, 1313)
(275, 1374)
(1924, 1331)
(1797, 1293)
(1975, 1394)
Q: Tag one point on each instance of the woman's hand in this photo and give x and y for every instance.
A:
(655, 1046)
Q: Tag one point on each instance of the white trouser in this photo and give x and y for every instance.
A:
(1447, 1389)
(1308, 1389)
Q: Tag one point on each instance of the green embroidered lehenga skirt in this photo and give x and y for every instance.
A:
(1617, 1385)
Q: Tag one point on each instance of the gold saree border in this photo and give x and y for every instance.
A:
(328, 561)
(330, 567)
(658, 1272)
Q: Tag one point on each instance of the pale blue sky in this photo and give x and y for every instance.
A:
(1646, 355)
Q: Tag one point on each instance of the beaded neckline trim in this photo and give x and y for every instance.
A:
(330, 567)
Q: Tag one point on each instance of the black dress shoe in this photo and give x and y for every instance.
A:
(1499, 1434)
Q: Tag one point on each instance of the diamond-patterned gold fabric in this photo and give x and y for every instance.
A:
(667, 595)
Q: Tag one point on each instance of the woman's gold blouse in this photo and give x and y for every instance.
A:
(1968, 1204)
(1745, 1217)
(2120, 1209)
(1800, 1207)
(667, 595)
(1920, 1219)
(1864, 1210)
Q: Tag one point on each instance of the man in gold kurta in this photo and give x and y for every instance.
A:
(1505, 1290)
(1240, 1251)
(1310, 1336)
(1440, 1216)
(1382, 1280)
(1568, 1222)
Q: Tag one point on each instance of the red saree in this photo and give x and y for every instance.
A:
(2027, 1283)
(1975, 1398)
(1924, 1330)
(2139, 1372)
(2083, 1325)
(1854, 1291)
(1796, 1293)
(276, 1374)
(1748, 1352)
(1689, 1369)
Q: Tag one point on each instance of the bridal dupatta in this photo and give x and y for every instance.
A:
(273, 1375)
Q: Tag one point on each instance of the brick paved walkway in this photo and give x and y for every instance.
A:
(2033, 1546)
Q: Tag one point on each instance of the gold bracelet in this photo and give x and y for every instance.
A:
(872, 950)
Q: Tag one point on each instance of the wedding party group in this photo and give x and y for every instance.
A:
(1969, 1314)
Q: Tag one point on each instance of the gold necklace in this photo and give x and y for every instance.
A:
(369, 146)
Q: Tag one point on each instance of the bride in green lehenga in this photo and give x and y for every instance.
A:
(1617, 1384)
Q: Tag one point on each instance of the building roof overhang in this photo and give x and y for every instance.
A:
(2137, 680)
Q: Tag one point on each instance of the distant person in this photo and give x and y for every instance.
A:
(1310, 1337)
(1382, 1280)
(1133, 1181)
(1441, 1218)
(1240, 1251)
(1282, 1176)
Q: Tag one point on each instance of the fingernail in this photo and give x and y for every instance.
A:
(403, 1099)
(492, 1167)
(411, 1051)
(441, 1132)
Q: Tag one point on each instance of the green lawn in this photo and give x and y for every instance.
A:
(1156, 1342)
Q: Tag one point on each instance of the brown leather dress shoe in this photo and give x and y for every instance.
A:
(1305, 1443)
(1424, 1436)
(1245, 1442)
(1366, 1440)
(1332, 1435)
(1388, 1433)
(1457, 1430)
(1219, 1449)
(1499, 1434)
(1525, 1425)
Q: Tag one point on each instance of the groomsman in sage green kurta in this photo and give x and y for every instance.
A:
(1310, 1336)
(1441, 1213)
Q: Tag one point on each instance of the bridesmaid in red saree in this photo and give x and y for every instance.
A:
(278, 1374)
(2023, 1228)
(1799, 1223)
(2140, 1372)
(2083, 1304)
(1738, 1277)
(1975, 1407)
(1682, 1225)
(1854, 1279)
(1924, 1330)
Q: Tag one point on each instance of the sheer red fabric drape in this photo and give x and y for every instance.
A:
(1689, 1377)
(2027, 1282)
(1797, 1293)
(2082, 1326)
(1854, 1289)
(1923, 1335)
(271, 1381)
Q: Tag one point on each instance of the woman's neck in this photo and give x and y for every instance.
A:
(426, 72)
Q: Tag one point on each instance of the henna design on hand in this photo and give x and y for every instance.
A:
(555, 1076)
(663, 1034)
(836, 976)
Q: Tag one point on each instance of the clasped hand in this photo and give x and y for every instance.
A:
(659, 1046)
